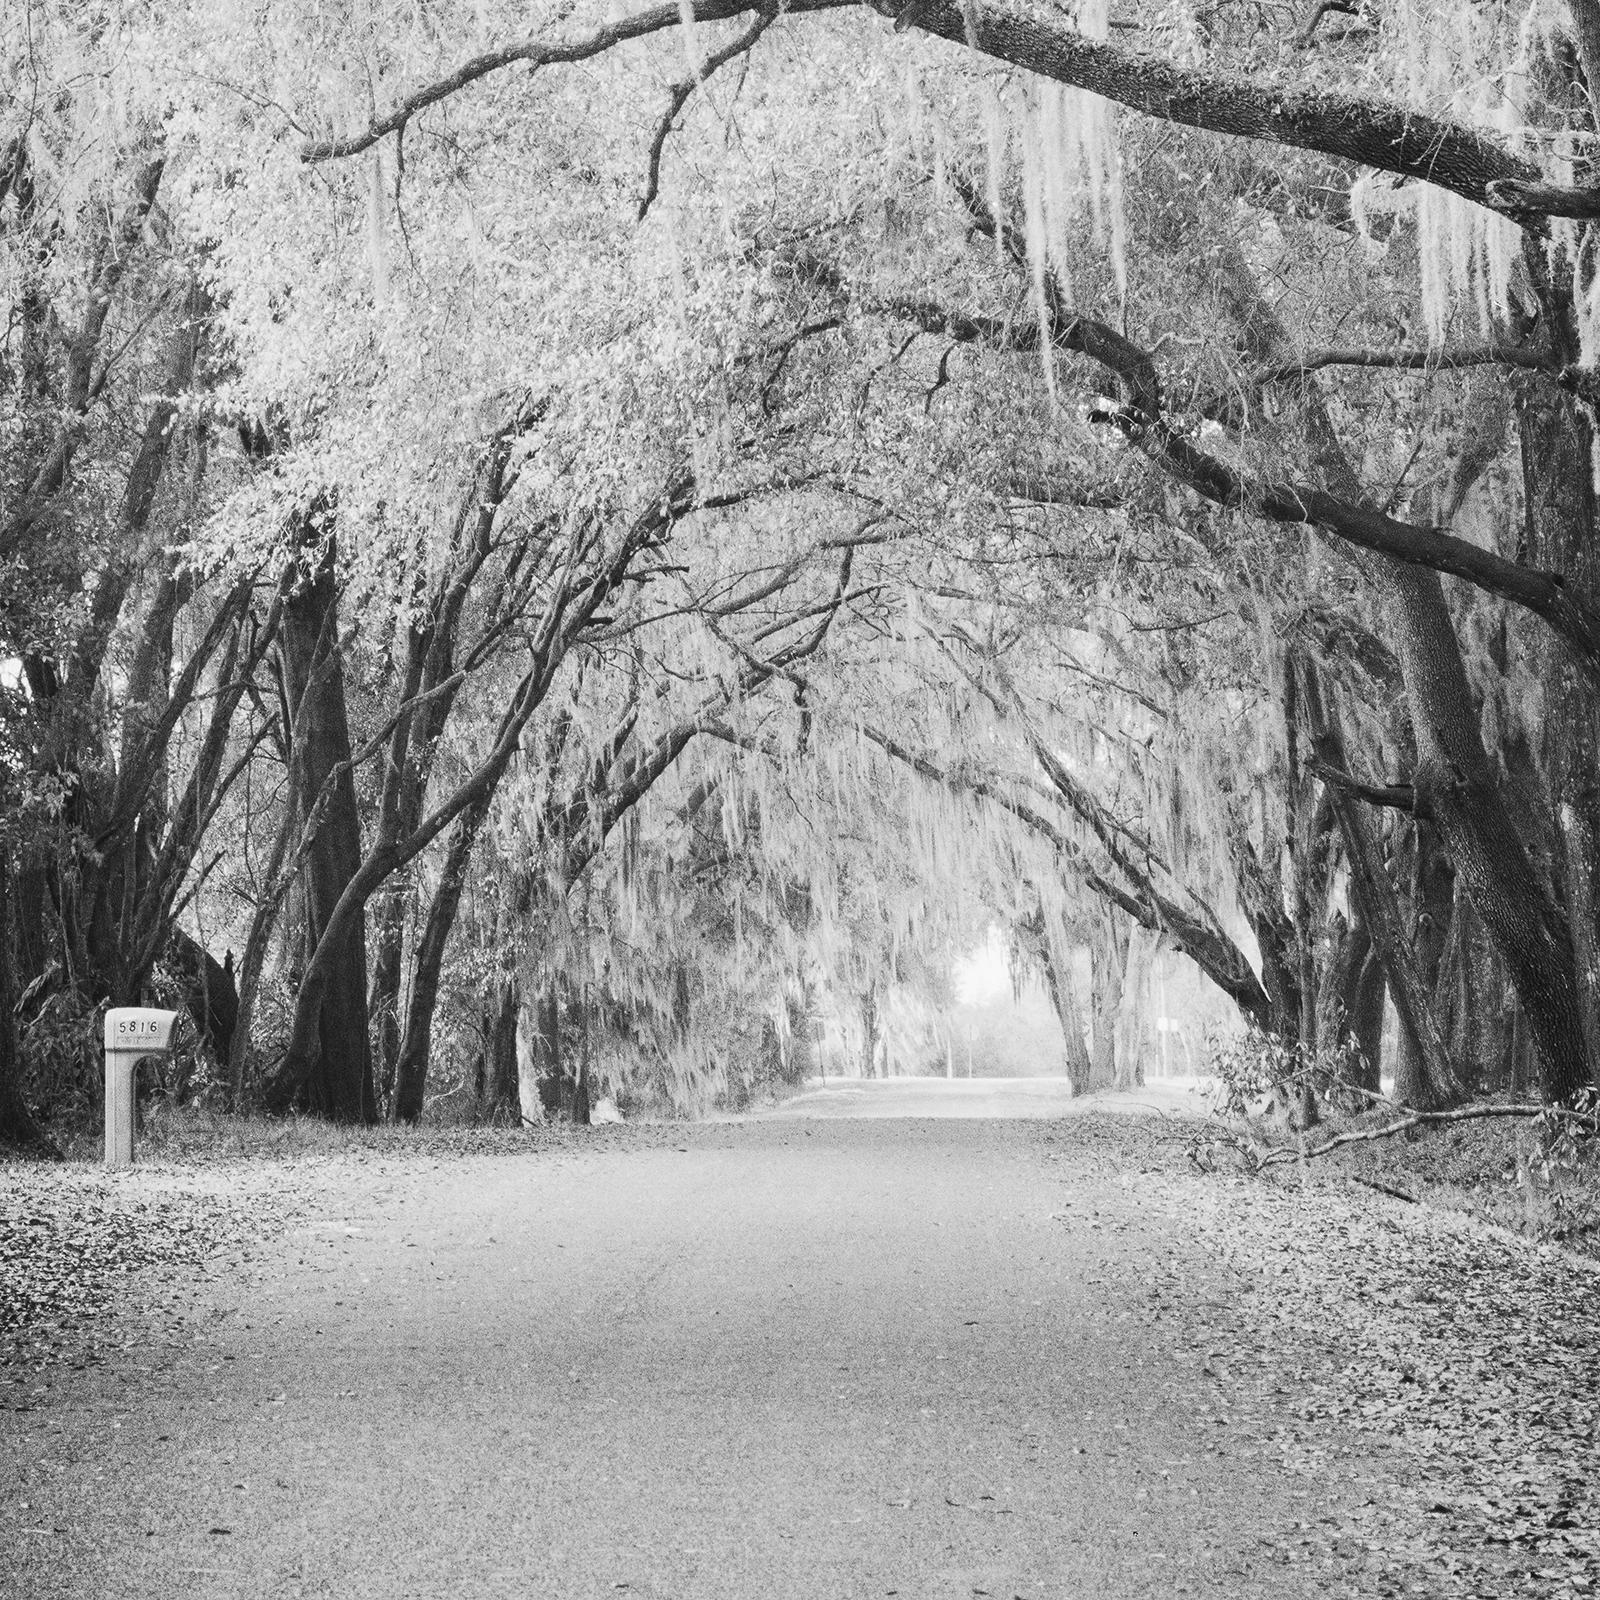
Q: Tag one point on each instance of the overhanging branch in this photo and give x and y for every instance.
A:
(1367, 129)
(535, 53)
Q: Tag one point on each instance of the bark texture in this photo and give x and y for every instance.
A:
(1461, 788)
(329, 1060)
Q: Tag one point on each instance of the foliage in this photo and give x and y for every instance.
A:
(1250, 1066)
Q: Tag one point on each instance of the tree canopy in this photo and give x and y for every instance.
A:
(617, 542)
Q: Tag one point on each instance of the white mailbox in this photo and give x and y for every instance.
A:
(132, 1033)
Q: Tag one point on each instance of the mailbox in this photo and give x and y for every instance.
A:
(132, 1033)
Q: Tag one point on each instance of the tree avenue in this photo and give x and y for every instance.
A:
(601, 550)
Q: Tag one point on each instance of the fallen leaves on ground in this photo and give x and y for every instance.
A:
(1464, 1357)
(79, 1243)
(76, 1244)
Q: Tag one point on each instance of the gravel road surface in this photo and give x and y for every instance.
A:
(810, 1357)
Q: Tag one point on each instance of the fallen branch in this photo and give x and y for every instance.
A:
(1388, 1189)
(1413, 1119)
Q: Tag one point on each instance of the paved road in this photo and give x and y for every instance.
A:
(784, 1358)
(982, 1097)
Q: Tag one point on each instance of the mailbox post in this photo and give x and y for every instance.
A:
(132, 1033)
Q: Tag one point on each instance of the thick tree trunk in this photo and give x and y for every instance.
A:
(1462, 997)
(1367, 1023)
(580, 1105)
(1456, 782)
(1496, 1007)
(549, 1066)
(1432, 919)
(1347, 947)
(329, 1056)
(1557, 441)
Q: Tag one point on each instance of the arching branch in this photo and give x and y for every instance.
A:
(1208, 947)
(1139, 418)
(535, 53)
(1367, 129)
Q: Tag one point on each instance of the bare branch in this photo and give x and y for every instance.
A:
(1319, 11)
(678, 98)
(535, 53)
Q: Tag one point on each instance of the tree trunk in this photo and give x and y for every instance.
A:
(1495, 1006)
(1366, 1016)
(333, 1044)
(275, 887)
(1559, 499)
(411, 1066)
(1433, 920)
(1456, 782)
(1131, 1010)
(1278, 942)
(208, 992)
(405, 780)
(580, 1105)
(383, 1003)
(1350, 1005)
(498, 1098)
(1433, 1080)
(869, 1033)
(549, 1068)
(1064, 1001)
(1108, 956)
(18, 1129)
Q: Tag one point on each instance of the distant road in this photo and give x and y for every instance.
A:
(981, 1097)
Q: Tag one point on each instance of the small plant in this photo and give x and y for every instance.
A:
(1252, 1066)
(1558, 1171)
(1255, 1065)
